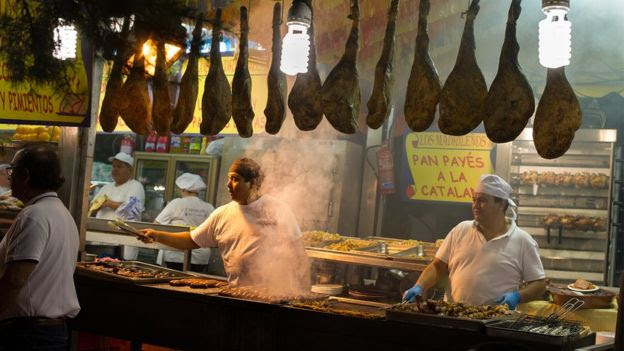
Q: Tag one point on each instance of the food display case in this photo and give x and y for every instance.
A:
(565, 203)
(372, 270)
(158, 172)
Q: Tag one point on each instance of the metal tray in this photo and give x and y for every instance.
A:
(83, 268)
(320, 243)
(473, 325)
(427, 253)
(397, 245)
(373, 248)
(501, 328)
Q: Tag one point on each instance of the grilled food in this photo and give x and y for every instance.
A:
(454, 309)
(318, 236)
(583, 284)
(582, 223)
(198, 283)
(130, 272)
(264, 294)
(350, 244)
(327, 307)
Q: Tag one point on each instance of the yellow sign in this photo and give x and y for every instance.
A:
(40, 104)
(259, 94)
(444, 167)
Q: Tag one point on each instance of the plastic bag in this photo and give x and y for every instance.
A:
(130, 210)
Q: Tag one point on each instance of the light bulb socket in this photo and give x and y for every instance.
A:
(299, 12)
(553, 4)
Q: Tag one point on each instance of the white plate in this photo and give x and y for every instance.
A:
(328, 289)
(571, 287)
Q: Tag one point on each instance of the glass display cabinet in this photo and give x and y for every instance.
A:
(158, 172)
(565, 203)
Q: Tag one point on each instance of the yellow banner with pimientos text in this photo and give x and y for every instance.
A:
(29, 103)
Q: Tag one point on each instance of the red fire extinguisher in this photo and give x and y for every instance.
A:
(385, 166)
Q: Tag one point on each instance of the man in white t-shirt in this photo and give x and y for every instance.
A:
(257, 235)
(119, 193)
(124, 198)
(489, 260)
(188, 210)
(37, 258)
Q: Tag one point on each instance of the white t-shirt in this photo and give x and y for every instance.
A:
(481, 271)
(121, 193)
(188, 211)
(258, 243)
(44, 231)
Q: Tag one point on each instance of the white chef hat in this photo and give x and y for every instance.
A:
(191, 182)
(494, 185)
(123, 157)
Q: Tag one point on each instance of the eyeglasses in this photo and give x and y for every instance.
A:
(9, 170)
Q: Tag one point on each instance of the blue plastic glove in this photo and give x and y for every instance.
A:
(410, 294)
(511, 299)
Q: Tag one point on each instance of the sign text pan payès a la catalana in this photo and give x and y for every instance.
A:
(444, 167)
(41, 104)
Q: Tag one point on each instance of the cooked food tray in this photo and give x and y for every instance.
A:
(352, 244)
(531, 329)
(130, 271)
(416, 253)
(475, 325)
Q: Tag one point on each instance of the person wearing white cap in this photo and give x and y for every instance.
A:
(190, 211)
(124, 198)
(489, 260)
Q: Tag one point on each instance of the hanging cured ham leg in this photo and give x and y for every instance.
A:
(161, 105)
(341, 90)
(510, 102)
(465, 90)
(275, 110)
(380, 102)
(109, 113)
(242, 111)
(304, 100)
(185, 108)
(423, 86)
(217, 98)
(136, 110)
(558, 116)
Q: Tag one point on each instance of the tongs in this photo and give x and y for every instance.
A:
(124, 227)
(571, 305)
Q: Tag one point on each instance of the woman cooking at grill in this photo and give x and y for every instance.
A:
(257, 235)
(487, 259)
(188, 210)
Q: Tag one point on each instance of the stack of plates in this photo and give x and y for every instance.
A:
(327, 289)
